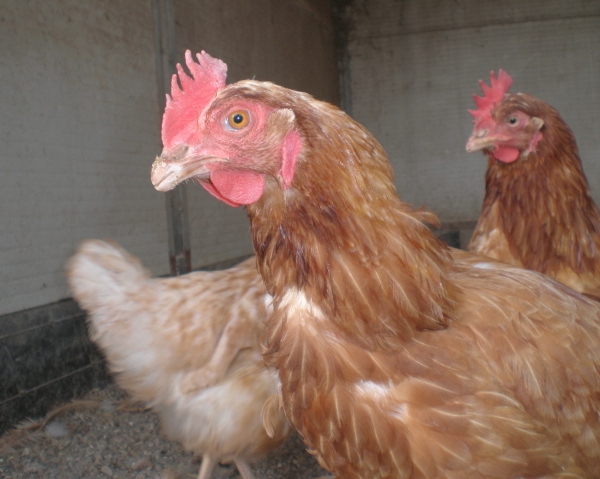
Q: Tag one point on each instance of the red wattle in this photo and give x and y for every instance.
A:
(235, 187)
(506, 154)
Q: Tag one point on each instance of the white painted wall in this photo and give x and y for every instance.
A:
(415, 64)
(80, 125)
(78, 132)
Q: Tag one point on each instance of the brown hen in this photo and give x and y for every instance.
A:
(188, 347)
(537, 212)
(398, 357)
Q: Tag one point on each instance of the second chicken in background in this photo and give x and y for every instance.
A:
(537, 212)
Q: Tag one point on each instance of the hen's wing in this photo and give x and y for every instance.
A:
(192, 325)
(585, 283)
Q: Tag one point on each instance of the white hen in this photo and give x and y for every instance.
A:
(187, 346)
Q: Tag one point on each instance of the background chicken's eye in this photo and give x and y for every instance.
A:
(238, 119)
(512, 120)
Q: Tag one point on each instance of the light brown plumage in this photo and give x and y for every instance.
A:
(398, 357)
(537, 212)
(187, 346)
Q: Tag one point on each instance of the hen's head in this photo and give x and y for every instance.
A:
(507, 126)
(230, 138)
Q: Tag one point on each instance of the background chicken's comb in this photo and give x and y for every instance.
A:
(492, 95)
(191, 94)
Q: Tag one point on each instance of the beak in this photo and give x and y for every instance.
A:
(475, 144)
(174, 167)
(481, 139)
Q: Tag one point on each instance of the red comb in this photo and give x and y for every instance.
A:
(187, 101)
(492, 95)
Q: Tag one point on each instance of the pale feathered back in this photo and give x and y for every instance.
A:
(188, 346)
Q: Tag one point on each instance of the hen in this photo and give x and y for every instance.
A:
(398, 357)
(187, 346)
(537, 212)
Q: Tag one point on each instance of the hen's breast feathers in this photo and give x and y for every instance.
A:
(505, 388)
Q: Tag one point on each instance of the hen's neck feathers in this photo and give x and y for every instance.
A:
(545, 208)
(342, 237)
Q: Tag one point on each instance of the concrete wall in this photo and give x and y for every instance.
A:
(80, 125)
(414, 66)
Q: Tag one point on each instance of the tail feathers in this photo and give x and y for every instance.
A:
(102, 273)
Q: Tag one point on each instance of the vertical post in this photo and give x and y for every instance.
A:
(176, 200)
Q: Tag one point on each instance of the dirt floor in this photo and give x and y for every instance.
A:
(105, 435)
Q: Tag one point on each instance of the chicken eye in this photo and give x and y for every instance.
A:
(238, 119)
(512, 120)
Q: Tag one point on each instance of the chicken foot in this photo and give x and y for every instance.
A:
(244, 469)
(208, 464)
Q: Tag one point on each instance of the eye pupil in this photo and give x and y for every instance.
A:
(512, 120)
(238, 119)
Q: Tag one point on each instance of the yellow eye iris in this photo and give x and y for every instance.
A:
(238, 119)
